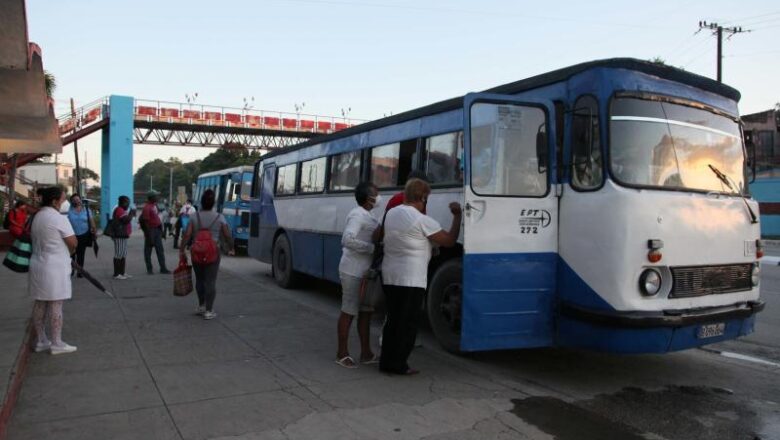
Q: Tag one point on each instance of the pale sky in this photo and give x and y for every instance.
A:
(374, 56)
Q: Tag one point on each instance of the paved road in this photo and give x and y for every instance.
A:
(147, 368)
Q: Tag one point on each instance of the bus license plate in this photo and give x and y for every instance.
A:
(711, 330)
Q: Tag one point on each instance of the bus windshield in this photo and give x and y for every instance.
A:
(246, 186)
(665, 145)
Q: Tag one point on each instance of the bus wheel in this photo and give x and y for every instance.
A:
(282, 262)
(445, 298)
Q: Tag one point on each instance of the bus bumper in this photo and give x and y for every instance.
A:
(653, 332)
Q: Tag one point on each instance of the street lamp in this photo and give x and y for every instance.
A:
(345, 113)
(249, 104)
(191, 98)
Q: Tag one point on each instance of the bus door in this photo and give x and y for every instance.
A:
(263, 218)
(510, 224)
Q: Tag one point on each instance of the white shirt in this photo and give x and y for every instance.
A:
(407, 248)
(357, 248)
(49, 276)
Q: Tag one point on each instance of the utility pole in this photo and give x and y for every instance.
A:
(170, 187)
(77, 175)
(718, 30)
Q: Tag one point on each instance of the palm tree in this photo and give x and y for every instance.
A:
(51, 83)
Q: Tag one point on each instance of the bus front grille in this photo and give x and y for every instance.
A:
(706, 280)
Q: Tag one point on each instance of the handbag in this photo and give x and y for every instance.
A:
(182, 278)
(18, 257)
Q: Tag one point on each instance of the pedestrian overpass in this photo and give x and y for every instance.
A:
(125, 121)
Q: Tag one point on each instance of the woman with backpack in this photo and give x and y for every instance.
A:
(207, 225)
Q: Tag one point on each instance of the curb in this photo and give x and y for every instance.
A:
(15, 381)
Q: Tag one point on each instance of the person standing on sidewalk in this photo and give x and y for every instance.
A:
(356, 257)
(152, 228)
(207, 224)
(409, 235)
(53, 243)
(17, 219)
(122, 216)
(83, 225)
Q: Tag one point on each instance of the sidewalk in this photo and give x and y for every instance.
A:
(148, 368)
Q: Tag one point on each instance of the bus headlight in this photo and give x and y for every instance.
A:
(650, 282)
(755, 275)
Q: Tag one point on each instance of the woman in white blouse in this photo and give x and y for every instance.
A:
(53, 242)
(356, 257)
(409, 235)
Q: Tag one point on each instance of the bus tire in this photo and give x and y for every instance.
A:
(282, 262)
(445, 298)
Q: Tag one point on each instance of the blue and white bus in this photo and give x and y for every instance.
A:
(605, 207)
(232, 187)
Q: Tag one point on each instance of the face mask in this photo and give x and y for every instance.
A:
(377, 199)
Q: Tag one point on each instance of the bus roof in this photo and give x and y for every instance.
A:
(656, 69)
(239, 169)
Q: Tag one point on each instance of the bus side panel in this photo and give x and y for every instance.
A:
(332, 252)
(512, 296)
(307, 249)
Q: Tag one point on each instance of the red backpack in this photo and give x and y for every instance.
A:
(204, 250)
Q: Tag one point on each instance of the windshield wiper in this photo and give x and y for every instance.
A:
(725, 179)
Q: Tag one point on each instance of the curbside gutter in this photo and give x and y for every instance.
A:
(15, 380)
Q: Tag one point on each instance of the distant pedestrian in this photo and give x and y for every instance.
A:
(16, 219)
(356, 256)
(409, 235)
(152, 228)
(182, 222)
(122, 216)
(53, 242)
(83, 225)
(206, 226)
(165, 218)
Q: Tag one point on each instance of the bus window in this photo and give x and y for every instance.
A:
(443, 154)
(313, 175)
(246, 186)
(285, 179)
(586, 163)
(344, 171)
(230, 194)
(392, 163)
(504, 158)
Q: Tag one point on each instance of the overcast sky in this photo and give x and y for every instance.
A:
(375, 56)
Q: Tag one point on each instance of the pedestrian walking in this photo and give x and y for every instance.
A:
(165, 218)
(53, 242)
(16, 219)
(120, 232)
(152, 229)
(182, 222)
(206, 226)
(356, 257)
(409, 235)
(83, 225)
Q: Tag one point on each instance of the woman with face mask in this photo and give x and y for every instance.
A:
(83, 225)
(121, 216)
(53, 242)
(356, 257)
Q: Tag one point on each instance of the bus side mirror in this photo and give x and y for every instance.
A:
(751, 159)
(541, 149)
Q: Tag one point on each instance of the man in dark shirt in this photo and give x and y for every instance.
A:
(152, 227)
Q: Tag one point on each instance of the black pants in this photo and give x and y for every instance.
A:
(167, 230)
(82, 243)
(403, 315)
(153, 239)
(206, 283)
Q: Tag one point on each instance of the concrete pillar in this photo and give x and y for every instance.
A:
(116, 173)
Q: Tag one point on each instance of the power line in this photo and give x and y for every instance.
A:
(718, 31)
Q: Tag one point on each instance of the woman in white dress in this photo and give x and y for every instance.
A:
(53, 242)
